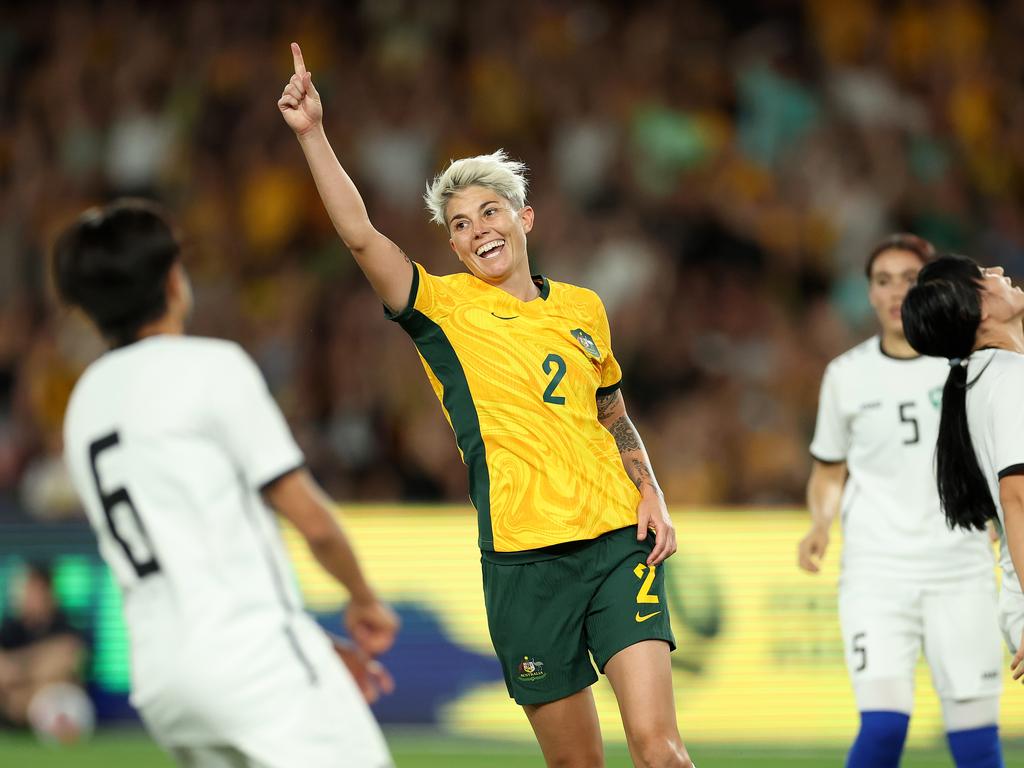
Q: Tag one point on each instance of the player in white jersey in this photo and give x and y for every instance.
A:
(174, 443)
(973, 317)
(907, 582)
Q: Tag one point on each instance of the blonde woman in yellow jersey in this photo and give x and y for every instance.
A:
(573, 527)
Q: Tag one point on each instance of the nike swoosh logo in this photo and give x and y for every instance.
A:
(505, 318)
(645, 617)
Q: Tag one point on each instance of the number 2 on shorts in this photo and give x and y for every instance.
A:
(644, 595)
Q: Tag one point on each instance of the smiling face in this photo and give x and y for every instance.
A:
(487, 235)
(893, 273)
(1001, 301)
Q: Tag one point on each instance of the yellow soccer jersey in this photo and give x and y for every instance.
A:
(518, 383)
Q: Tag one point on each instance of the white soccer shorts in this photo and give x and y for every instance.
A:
(290, 710)
(885, 628)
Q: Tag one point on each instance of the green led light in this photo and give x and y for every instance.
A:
(73, 578)
(110, 667)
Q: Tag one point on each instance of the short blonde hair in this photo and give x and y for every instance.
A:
(495, 172)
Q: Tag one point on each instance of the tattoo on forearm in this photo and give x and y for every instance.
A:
(626, 438)
(641, 474)
(605, 405)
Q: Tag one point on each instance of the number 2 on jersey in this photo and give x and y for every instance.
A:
(556, 362)
(127, 529)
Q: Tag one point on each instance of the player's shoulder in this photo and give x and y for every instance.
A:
(170, 357)
(211, 348)
(868, 360)
(1004, 369)
(455, 281)
(571, 290)
(857, 357)
(194, 353)
(996, 379)
(454, 287)
(1006, 361)
(584, 299)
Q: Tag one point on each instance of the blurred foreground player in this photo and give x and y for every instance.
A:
(173, 444)
(907, 582)
(573, 528)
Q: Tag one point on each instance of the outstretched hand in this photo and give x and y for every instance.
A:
(370, 675)
(300, 102)
(811, 550)
(372, 625)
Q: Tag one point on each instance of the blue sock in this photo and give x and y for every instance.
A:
(976, 748)
(879, 743)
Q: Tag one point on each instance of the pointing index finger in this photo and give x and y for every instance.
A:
(300, 65)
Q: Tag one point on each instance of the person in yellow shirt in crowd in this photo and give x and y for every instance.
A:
(573, 528)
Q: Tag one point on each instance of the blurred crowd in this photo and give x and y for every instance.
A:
(717, 172)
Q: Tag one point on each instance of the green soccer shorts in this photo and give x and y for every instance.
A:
(547, 616)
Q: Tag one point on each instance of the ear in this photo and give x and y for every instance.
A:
(983, 306)
(178, 290)
(454, 249)
(526, 216)
(174, 288)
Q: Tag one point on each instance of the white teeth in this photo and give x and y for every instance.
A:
(489, 247)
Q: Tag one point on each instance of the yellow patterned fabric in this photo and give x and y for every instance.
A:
(518, 382)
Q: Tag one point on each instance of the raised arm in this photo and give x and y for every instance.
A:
(652, 512)
(385, 265)
(824, 493)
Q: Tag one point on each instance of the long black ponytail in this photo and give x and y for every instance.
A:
(941, 314)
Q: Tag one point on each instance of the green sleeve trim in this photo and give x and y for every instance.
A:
(457, 400)
(602, 391)
(398, 317)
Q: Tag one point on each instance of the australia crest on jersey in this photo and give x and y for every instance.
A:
(531, 669)
(935, 395)
(586, 341)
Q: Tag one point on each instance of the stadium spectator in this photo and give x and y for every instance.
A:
(38, 646)
(786, 141)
